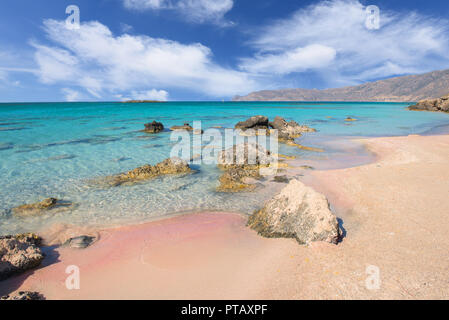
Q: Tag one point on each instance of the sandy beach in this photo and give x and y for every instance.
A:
(394, 214)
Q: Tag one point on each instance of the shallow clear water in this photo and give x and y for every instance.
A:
(54, 149)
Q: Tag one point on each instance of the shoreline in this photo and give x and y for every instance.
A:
(220, 248)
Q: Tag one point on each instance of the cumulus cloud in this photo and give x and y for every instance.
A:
(94, 59)
(198, 11)
(335, 33)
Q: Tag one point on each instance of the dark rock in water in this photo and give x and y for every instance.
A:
(297, 212)
(436, 105)
(24, 295)
(281, 179)
(48, 205)
(169, 166)
(80, 242)
(153, 127)
(18, 254)
(256, 123)
(288, 131)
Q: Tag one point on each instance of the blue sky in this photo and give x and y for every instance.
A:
(211, 49)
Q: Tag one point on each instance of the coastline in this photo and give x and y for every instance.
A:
(393, 213)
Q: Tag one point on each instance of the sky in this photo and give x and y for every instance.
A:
(192, 50)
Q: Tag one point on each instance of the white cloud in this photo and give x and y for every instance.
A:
(314, 56)
(159, 95)
(94, 59)
(198, 11)
(405, 43)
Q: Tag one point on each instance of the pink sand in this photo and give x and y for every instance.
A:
(204, 256)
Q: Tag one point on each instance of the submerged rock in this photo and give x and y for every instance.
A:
(281, 179)
(153, 127)
(24, 295)
(235, 179)
(241, 162)
(297, 212)
(80, 242)
(47, 205)
(187, 127)
(169, 166)
(18, 254)
(436, 105)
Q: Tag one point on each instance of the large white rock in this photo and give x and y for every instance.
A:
(297, 212)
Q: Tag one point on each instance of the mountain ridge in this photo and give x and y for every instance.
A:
(409, 88)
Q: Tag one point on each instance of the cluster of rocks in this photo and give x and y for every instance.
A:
(171, 166)
(287, 131)
(51, 205)
(239, 163)
(297, 212)
(18, 254)
(24, 295)
(156, 127)
(436, 105)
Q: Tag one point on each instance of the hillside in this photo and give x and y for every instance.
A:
(400, 89)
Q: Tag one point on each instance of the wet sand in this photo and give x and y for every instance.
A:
(395, 216)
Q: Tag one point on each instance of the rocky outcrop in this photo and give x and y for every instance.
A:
(171, 166)
(18, 254)
(26, 237)
(436, 105)
(297, 212)
(288, 131)
(24, 295)
(153, 127)
(243, 155)
(49, 205)
(239, 163)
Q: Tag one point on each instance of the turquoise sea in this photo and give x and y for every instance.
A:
(55, 149)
